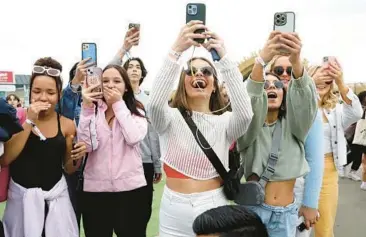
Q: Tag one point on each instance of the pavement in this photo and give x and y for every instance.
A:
(351, 214)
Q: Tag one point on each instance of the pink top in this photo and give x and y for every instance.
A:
(114, 162)
(21, 114)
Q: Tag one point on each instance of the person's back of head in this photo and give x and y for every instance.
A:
(229, 221)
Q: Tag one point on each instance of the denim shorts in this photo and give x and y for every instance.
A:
(280, 221)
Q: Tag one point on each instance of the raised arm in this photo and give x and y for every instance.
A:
(351, 107)
(242, 113)
(301, 105)
(259, 107)
(314, 154)
(134, 128)
(160, 111)
(131, 39)
(301, 93)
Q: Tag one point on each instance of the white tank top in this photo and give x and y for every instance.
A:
(327, 138)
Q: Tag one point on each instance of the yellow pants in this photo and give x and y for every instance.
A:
(328, 200)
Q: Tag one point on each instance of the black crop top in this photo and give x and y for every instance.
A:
(40, 162)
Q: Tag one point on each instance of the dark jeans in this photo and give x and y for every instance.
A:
(355, 156)
(2, 234)
(75, 195)
(119, 212)
(149, 189)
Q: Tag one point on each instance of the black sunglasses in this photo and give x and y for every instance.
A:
(277, 84)
(279, 70)
(206, 71)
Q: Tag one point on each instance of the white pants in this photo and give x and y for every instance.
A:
(299, 194)
(178, 211)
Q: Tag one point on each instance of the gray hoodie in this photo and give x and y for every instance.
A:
(150, 147)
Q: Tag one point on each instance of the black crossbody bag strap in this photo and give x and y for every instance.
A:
(202, 142)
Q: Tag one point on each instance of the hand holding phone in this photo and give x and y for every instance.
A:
(133, 35)
(215, 45)
(186, 37)
(94, 77)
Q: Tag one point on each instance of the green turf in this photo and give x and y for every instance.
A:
(152, 229)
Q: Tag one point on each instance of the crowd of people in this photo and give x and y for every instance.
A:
(77, 152)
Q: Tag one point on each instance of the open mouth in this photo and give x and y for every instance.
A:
(272, 95)
(199, 83)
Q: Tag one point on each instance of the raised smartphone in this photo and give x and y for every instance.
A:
(94, 77)
(284, 22)
(196, 11)
(89, 50)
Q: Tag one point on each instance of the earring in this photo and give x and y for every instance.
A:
(214, 91)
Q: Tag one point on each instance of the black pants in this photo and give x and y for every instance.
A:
(149, 189)
(121, 212)
(355, 156)
(2, 233)
(75, 196)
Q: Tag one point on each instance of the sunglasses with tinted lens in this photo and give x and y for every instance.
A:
(206, 71)
(279, 70)
(277, 84)
(49, 70)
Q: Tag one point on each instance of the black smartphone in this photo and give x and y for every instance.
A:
(301, 227)
(196, 11)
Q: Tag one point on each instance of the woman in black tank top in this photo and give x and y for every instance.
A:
(38, 155)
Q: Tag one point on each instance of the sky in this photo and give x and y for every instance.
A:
(39, 28)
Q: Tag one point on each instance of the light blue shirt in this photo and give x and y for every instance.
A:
(314, 154)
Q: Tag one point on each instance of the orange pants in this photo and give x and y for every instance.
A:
(328, 200)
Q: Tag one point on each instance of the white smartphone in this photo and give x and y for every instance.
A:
(284, 22)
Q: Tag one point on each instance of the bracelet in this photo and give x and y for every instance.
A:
(260, 60)
(36, 129)
(30, 122)
(175, 54)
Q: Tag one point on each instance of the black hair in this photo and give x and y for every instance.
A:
(230, 221)
(129, 97)
(282, 112)
(50, 63)
(142, 66)
(362, 96)
(73, 72)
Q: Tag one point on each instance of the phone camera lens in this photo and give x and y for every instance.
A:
(283, 18)
(278, 15)
(190, 6)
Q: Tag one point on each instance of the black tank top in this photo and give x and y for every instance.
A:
(40, 162)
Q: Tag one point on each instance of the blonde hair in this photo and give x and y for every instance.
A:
(329, 100)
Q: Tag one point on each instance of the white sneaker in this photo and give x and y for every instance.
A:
(352, 175)
(363, 186)
(341, 172)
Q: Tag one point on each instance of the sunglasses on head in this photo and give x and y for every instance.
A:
(48, 70)
(206, 71)
(279, 70)
(277, 84)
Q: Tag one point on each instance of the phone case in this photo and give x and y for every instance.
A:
(89, 50)
(284, 22)
(93, 77)
(328, 59)
(196, 11)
